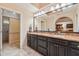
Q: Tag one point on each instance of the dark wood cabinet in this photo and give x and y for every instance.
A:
(62, 50)
(73, 52)
(33, 42)
(57, 47)
(56, 50)
(42, 45)
(42, 41)
(73, 49)
(42, 50)
(52, 49)
(52, 46)
(28, 39)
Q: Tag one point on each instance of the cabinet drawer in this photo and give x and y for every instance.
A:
(34, 43)
(52, 49)
(33, 36)
(28, 42)
(41, 37)
(42, 43)
(53, 40)
(42, 50)
(74, 45)
(63, 42)
(58, 41)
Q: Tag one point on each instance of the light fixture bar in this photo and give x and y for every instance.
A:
(56, 8)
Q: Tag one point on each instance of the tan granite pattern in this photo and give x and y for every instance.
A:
(65, 36)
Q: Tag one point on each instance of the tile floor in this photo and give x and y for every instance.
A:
(13, 51)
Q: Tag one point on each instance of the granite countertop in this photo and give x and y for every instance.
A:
(65, 36)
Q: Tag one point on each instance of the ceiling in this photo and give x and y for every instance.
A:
(40, 5)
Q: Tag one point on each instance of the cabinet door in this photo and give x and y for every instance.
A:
(42, 43)
(28, 39)
(62, 50)
(42, 50)
(33, 42)
(73, 52)
(52, 49)
(42, 46)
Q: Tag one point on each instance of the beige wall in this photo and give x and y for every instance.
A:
(26, 18)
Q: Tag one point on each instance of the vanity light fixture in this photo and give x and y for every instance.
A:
(52, 8)
(42, 12)
(58, 7)
(63, 4)
(64, 8)
(69, 6)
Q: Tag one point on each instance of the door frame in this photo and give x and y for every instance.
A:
(9, 25)
(19, 19)
(19, 25)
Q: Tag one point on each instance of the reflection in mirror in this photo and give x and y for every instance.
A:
(64, 20)
(40, 23)
(64, 24)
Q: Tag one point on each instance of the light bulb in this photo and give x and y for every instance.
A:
(57, 6)
(52, 8)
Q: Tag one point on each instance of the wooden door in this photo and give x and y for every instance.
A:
(14, 32)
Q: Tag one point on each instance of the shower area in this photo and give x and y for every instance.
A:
(9, 28)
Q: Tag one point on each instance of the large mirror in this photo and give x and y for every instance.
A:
(66, 20)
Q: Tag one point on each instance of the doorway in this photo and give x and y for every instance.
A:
(43, 25)
(5, 30)
(10, 32)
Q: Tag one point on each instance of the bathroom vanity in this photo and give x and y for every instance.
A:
(52, 44)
